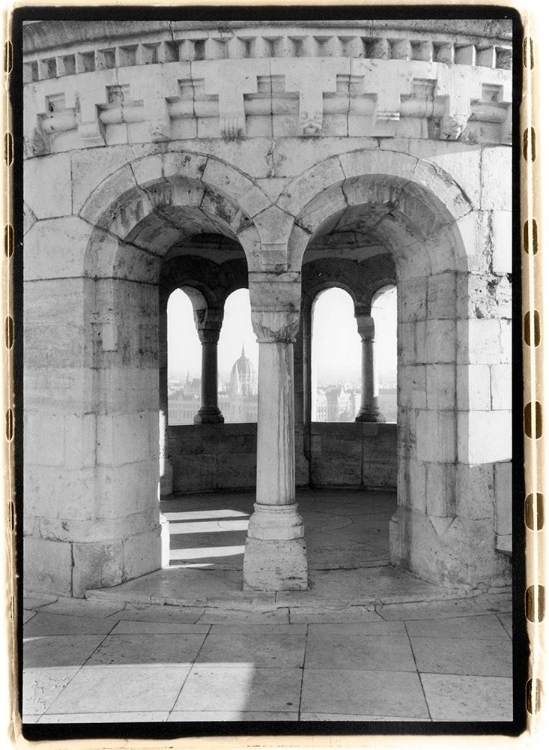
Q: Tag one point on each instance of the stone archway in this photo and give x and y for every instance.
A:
(420, 216)
(151, 203)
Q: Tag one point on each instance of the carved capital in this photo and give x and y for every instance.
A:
(208, 321)
(366, 327)
(274, 326)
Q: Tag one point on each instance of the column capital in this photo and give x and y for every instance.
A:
(366, 326)
(208, 321)
(272, 326)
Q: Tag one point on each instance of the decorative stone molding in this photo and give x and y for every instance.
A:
(166, 42)
(288, 96)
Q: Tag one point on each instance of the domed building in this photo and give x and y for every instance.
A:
(239, 404)
(243, 380)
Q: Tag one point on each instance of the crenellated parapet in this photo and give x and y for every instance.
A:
(177, 84)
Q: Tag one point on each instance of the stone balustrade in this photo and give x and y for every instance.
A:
(332, 96)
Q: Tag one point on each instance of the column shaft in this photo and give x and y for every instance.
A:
(369, 407)
(275, 557)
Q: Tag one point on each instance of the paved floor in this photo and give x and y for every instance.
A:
(366, 643)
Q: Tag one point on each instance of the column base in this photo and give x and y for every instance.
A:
(209, 415)
(275, 558)
(371, 415)
(275, 565)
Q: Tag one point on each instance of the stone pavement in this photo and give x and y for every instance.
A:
(366, 643)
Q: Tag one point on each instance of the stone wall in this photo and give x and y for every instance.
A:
(205, 458)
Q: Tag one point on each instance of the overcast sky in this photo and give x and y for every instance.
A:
(336, 343)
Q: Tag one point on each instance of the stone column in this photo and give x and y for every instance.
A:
(369, 408)
(166, 471)
(275, 558)
(208, 324)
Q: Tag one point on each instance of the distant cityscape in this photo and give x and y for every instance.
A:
(237, 397)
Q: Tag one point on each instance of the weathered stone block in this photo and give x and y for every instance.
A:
(459, 161)
(479, 342)
(372, 161)
(48, 566)
(97, 565)
(440, 490)
(484, 437)
(412, 385)
(496, 187)
(275, 565)
(441, 387)
(124, 438)
(463, 554)
(502, 231)
(148, 169)
(473, 387)
(194, 473)
(310, 184)
(236, 470)
(441, 341)
(58, 491)
(504, 498)
(142, 553)
(412, 482)
(80, 440)
(475, 491)
(127, 489)
(47, 185)
(501, 378)
(436, 438)
(441, 296)
(44, 438)
(96, 203)
(412, 300)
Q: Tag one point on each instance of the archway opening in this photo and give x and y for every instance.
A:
(184, 360)
(335, 365)
(238, 354)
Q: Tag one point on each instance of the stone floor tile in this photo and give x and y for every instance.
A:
(215, 615)
(468, 698)
(33, 601)
(353, 717)
(363, 585)
(445, 607)
(320, 614)
(506, 619)
(154, 613)
(363, 693)
(107, 718)
(121, 688)
(476, 626)
(267, 629)
(42, 686)
(146, 626)
(278, 650)
(28, 615)
(233, 716)
(81, 608)
(244, 688)
(344, 650)
(59, 651)
(47, 624)
(140, 648)
(360, 628)
(473, 656)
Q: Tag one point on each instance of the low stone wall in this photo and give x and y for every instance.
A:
(217, 457)
(354, 454)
